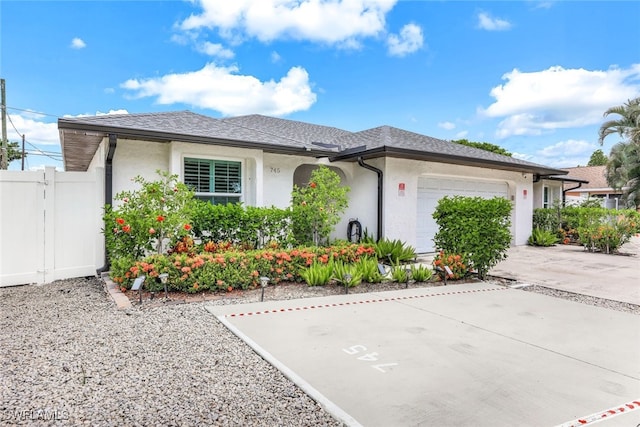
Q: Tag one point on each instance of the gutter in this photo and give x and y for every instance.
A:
(564, 192)
(108, 191)
(380, 194)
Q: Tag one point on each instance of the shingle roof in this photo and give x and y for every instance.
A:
(306, 133)
(179, 123)
(388, 136)
(81, 136)
(594, 174)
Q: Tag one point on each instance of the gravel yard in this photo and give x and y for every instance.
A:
(69, 357)
(67, 353)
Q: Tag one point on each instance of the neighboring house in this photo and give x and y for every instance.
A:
(594, 186)
(396, 177)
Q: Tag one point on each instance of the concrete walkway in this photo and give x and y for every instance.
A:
(570, 268)
(461, 355)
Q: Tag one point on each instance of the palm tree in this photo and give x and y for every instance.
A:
(623, 168)
(623, 171)
(628, 125)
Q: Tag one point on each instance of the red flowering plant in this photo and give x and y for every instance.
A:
(149, 219)
(455, 263)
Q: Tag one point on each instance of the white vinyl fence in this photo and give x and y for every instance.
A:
(50, 225)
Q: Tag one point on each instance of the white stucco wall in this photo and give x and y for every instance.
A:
(400, 212)
(268, 181)
(555, 192)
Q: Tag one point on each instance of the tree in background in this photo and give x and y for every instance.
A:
(598, 158)
(486, 146)
(13, 152)
(623, 167)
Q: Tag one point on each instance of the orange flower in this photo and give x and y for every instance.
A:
(126, 228)
(312, 185)
(152, 230)
(159, 218)
(187, 227)
(120, 221)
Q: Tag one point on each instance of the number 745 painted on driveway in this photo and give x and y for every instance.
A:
(354, 350)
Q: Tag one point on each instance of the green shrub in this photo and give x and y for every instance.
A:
(347, 274)
(245, 226)
(606, 230)
(541, 237)
(394, 251)
(548, 219)
(421, 273)
(399, 273)
(318, 274)
(149, 218)
(476, 228)
(316, 208)
(367, 267)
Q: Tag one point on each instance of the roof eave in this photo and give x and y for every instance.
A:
(386, 151)
(165, 137)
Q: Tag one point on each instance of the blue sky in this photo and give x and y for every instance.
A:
(533, 77)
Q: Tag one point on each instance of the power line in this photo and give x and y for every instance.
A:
(32, 111)
(12, 125)
(42, 153)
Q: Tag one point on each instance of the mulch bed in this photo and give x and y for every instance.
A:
(286, 290)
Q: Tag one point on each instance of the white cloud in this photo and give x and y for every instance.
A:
(339, 22)
(563, 154)
(542, 4)
(215, 50)
(35, 130)
(447, 125)
(224, 90)
(78, 43)
(489, 23)
(462, 134)
(99, 113)
(275, 57)
(539, 102)
(408, 41)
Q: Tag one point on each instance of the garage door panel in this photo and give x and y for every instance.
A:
(432, 189)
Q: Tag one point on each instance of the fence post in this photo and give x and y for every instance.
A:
(49, 223)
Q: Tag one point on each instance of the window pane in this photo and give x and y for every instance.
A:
(227, 177)
(197, 175)
(223, 200)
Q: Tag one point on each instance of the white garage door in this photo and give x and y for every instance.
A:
(432, 189)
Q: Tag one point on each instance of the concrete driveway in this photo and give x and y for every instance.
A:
(461, 355)
(570, 268)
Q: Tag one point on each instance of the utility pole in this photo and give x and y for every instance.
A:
(23, 151)
(3, 105)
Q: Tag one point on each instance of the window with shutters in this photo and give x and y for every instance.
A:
(216, 181)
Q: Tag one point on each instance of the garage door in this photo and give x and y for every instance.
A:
(432, 189)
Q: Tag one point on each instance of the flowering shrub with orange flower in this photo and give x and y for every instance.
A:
(316, 207)
(456, 263)
(199, 270)
(606, 230)
(148, 219)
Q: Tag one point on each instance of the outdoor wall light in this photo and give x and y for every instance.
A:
(264, 281)
(408, 276)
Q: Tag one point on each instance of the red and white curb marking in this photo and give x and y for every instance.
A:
(369, 301)
(603, 415)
